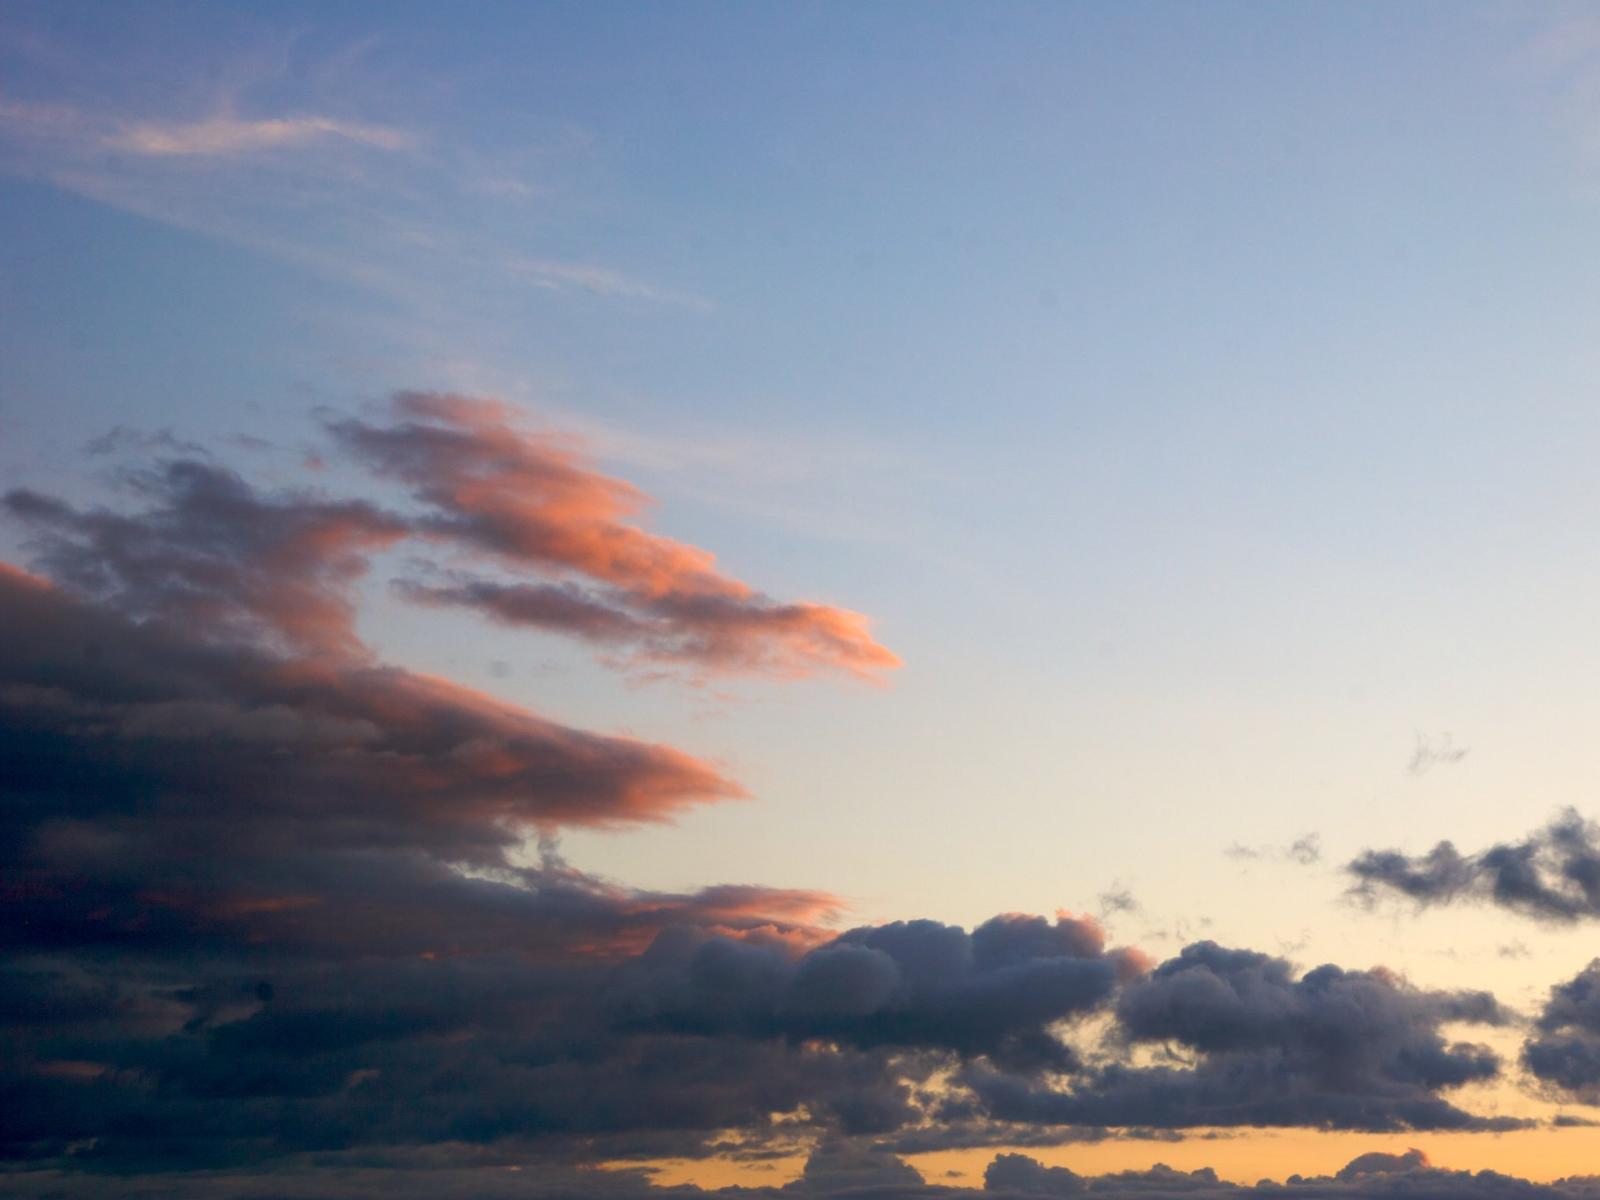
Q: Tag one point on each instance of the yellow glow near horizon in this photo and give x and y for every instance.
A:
(1239, 1156)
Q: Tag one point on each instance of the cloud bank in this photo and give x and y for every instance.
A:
(289, 919)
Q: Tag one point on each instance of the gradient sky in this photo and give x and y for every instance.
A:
(1197, 399)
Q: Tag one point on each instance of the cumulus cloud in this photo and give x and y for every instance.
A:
(1564, 1049)
(1331, 1048)
(997, 992)
(1552, 875)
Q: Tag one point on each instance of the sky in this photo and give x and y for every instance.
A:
(914, 598)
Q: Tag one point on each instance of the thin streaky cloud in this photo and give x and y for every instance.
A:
(601, 281)
(229, 135)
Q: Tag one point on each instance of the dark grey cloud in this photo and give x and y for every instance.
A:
(1563, 1051)
(263, 905)
(1552, 875)
(274, 917)
(211, 556)
(996, 992)
(1330, 1048)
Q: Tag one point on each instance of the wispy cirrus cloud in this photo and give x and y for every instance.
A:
(225, 134)
(218, 133)
(331, 165)
(601, 281)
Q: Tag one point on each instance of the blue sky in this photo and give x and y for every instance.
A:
(1198, 399)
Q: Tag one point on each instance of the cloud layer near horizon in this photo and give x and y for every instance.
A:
(838, 1171)
(270, 899)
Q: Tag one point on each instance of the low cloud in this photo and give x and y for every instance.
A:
(280, 915)
(1551, 875)
(1564, 1049)
(1332, 1048)
(838, 1171)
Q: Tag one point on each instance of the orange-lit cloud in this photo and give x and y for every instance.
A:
(533, 504)
(215, 557)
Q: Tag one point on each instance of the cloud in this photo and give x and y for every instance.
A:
(836, 1171)
(996, 992)
(1551, 875)
(336, 163)
(1304, 851)
(225, 134)
(601, 281)
(532, 504)
(266, 895)
(1333, 1049)
(1564, 1050)
(273, 911)
(1021, 1175)
(101, 712)
(213, 554)
(1431, 752)
(215, 557)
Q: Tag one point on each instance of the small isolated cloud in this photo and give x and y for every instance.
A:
(1551, 875)
(1304, 851)
(1434, 751)
(1117, 899)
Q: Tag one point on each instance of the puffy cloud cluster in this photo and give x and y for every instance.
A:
(1564, 1050)
(1553, 874)
(1332, 1048)
(997, 992)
